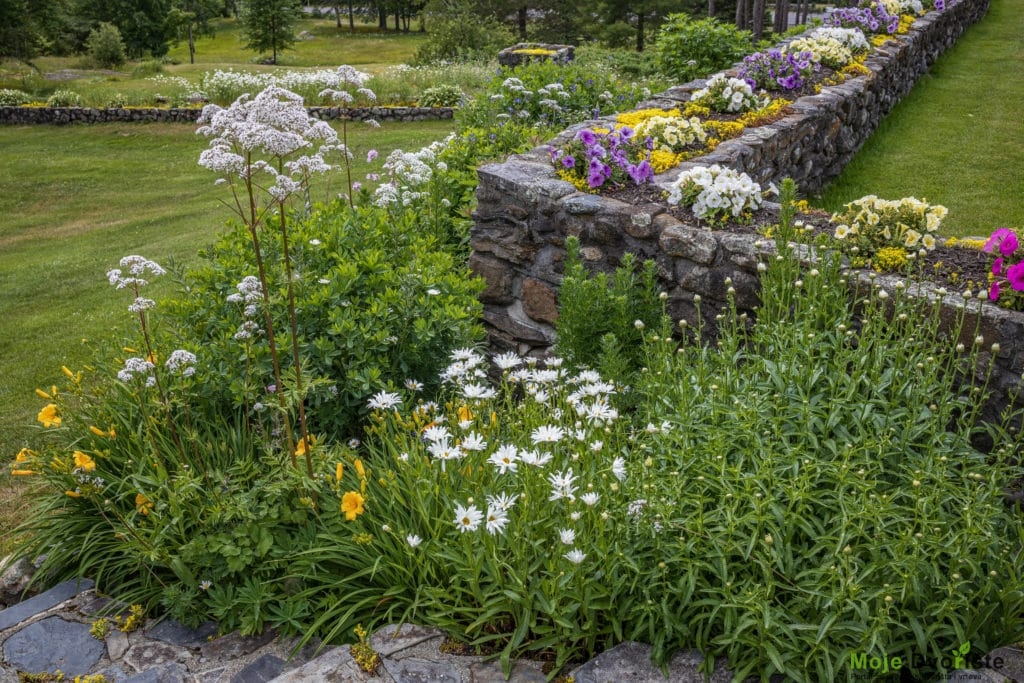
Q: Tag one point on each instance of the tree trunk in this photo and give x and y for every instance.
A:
(711, 9)
(191, 45)
(522, 22)
(758, 20)
(640, 31)
(398, 21)
(781, 16)
(741, 15)
(382, 19)
(351, 19)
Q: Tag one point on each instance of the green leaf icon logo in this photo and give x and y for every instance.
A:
(965, 648)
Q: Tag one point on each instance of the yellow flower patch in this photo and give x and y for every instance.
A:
(633, 118)
(48, 416)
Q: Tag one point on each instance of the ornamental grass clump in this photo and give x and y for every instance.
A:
(716, 193)
(778, 70)
(874, 231)
(1007, 277)
(727, 95)
(596, 159)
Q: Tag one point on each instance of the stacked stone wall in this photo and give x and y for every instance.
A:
(66, 115)
(525, 212)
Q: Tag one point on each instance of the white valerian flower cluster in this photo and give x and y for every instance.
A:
(137, 368)
(409, 173)
(826, 49)
(274, 124)
(852, 39)
(726, 94)
(713, 191)
(181, 362)
(249, 294)
(131, 271)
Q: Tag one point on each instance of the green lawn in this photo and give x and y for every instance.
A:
(958, 138)
(77, 199)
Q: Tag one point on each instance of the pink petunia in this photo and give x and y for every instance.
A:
(997, 266)
(993, 292)
(997, 238)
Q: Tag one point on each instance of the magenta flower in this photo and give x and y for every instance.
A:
(1015, 275)
(1003, 238)
(997, 266)
(993, 292)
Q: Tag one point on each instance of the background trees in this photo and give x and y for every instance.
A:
(270, 24)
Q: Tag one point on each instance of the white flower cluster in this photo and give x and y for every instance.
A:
(851, 38)
(548, 454)
(826, 49)
(409, 173)
(226, 85)
(181, 361)
(907, 222)
(670, 133)
(274, 123)
(131, 271)
(249, 294)
(725, 94)
(713, 191)
(913, 7)
(137, 368)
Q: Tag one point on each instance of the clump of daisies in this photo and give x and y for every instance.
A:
(716, 193)
(872, 229)
(727, 95)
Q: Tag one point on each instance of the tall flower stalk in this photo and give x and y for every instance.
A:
(346, 78)
(264, 137)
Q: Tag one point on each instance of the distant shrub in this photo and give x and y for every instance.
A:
(105, 46)
(150, 67)
(442, 96)
(688, 49)
(64, 98)
(461, 36)
(13, 98)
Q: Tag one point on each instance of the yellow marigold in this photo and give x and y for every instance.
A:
(143, 505)
(48, 416)
(632, 118)
(888, 259)
(352, 504)
(84, 462)
(661, 160)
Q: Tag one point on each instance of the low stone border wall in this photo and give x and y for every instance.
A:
(525, 213)
(66, 115)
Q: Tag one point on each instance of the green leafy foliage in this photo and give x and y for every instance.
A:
(601, 319)
(64, 98)
(105, 46)
(458, 33)
(443, 95)
(688, 49)
(13, 98)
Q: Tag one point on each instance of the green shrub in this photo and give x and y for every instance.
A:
(117, 101)
(149, 67)
(64, 98)
(13, 98)
(688, 49)
(459, 34)
(105, 46)
(442, 96)
(627, 64)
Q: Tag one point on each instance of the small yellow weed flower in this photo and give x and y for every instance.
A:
(143, 505)
(352, 504)
(84, 461)
(48, 416)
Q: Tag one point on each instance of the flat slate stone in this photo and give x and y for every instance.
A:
(233, 645)
(421, 671)
(260, 670)
(168, 673)
(176, 633)
(522, 672)
(632, 662)
(319, 669)
(392, 638)
(15, 614)
(53, 644)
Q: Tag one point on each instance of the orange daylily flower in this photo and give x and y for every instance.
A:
(352, 505)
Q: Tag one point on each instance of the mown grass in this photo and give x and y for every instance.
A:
(958, 138)
(77, 199)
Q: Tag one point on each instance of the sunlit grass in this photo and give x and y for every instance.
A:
(958, 138)
(77, 199)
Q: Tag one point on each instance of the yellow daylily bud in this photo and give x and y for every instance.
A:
(97, 431)
(42, 394)
(359, 468)
(24, 454)
(72, 494)
(21, 473)
(67, 372)
(339, 470)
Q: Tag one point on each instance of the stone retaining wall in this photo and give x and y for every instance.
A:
(525, 212)
(65, 115)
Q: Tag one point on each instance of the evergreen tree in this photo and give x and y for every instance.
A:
(270, 25)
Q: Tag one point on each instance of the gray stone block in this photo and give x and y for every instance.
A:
(42, 602)
(166, 673)
(413, 670)
(175, 633)
(260, 670)
(632, 662)
(53, 644)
